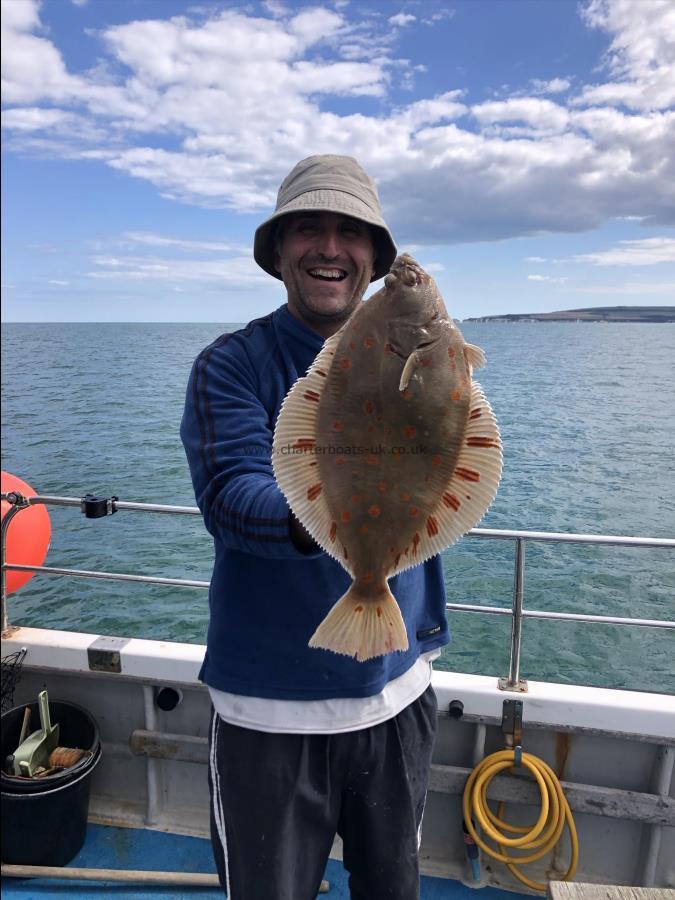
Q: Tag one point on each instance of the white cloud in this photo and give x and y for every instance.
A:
(235, 272)
(535, 259)
(214, 110)
(641, 56)
(57, 281)
(275, 8)
(536, 113)
(159, 240)
(549, 278)
(402, 19)
(554, 86)
(646, 252)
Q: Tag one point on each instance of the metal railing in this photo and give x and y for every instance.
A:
(95, 508)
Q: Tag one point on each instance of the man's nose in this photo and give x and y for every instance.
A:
(329, 244)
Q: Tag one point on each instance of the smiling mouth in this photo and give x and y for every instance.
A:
(322, 274)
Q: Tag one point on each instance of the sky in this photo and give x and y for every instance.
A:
(523, 149)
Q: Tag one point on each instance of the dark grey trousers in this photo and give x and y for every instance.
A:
(277, 801)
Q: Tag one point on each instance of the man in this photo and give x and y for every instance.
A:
(304, 743)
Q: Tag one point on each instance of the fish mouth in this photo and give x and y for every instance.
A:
(327, 273)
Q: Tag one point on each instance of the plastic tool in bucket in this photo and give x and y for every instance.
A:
(44, 820)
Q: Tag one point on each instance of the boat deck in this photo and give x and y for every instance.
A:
(130, 848)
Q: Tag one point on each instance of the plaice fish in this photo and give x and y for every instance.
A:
(387, 452)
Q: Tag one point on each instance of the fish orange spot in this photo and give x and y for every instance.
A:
(312, 395)
(364, 529)
(370, 428)
(369, 407)
(337, 426)
(356, 498)
(371, 460)
(374, 511)
(345, 363)
(368, 342)
(436, 459)
(456, 395)
(413, 511)
(333, 531)
(410, 431)
(352, 345)
(445, 410)
(451, 352)
(415, 542)
(313, 491)
(367, 578)
(407, 394)
(426, 363)
(358, 609)
(468, 474)
(339, 460)
(453, 367)
(432, 526)
(481, 442)
(382, 486)
(405, 496)
(304, 444)
(346, 516)
(451, 501)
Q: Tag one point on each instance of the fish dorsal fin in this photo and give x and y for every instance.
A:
(471, 488)
(474, 356)
(294, 457)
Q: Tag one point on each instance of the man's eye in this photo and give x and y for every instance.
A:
(306, 228)
(352, 230)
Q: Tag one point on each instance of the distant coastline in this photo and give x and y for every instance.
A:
(592, 314)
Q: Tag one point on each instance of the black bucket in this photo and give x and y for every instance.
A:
(44, 820)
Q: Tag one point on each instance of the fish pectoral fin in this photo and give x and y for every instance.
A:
(474, 356)
(408, 369)
(362, 626)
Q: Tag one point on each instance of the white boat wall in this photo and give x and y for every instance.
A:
(613, 750)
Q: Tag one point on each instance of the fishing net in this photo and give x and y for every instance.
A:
(11, 674)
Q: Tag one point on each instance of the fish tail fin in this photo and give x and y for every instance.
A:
(363, 625)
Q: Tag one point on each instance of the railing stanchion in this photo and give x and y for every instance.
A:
(513, 682)
(7, 518)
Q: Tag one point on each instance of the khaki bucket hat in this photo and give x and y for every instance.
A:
(328, 184)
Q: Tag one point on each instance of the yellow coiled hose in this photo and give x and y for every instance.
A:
(540, 837)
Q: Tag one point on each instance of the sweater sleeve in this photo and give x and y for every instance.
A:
(227, 435)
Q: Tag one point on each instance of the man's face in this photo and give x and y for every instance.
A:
(326, 262)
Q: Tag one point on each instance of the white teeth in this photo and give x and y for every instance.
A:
(328, 273)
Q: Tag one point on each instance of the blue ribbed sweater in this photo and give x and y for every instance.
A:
(266, 597)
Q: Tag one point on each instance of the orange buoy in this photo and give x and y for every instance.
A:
(28, 533)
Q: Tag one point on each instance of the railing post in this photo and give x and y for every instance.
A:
(18, 503)
(513, 682)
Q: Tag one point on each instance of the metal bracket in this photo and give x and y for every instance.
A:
(512, 720)
(104, 654)
(97, 507)
(520, 686)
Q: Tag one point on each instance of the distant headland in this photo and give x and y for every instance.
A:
(593, 314)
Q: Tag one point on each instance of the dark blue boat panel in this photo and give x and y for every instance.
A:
(130, 848)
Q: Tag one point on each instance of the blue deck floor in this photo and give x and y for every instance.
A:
(126, 848)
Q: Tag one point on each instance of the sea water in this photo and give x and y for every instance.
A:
(587, 416)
